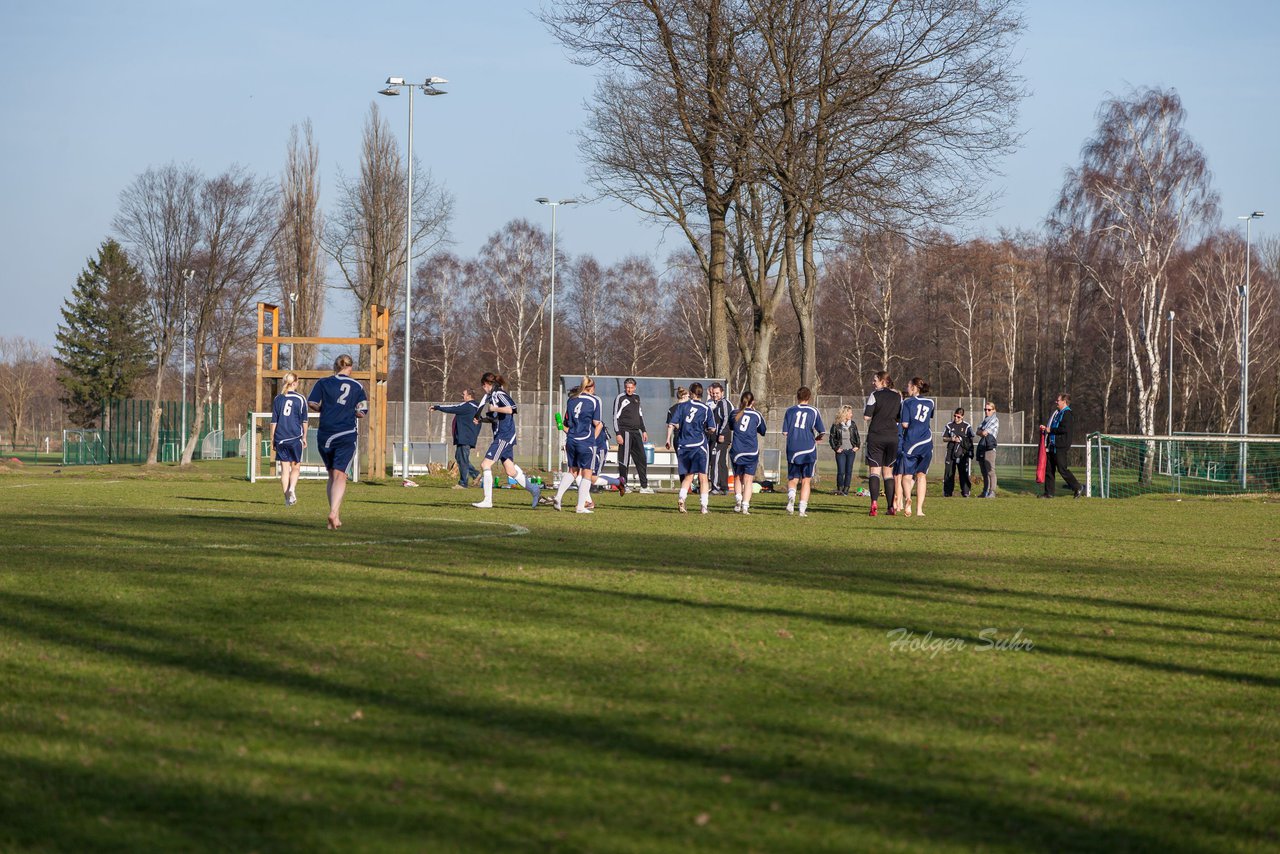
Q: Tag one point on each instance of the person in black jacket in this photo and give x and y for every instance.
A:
(845, 442)
(958, 435)
(884, 405)
(719, 432)
(1058, 447)
(465, 433)
(629, 429)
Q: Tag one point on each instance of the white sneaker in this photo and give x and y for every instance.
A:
(791, 508)
(585, 510)
(556, 504)
(680, 505)
(483, 505)
(804, 514)
(737, 508)
(705, 510)
(746, 512)
(646, 490)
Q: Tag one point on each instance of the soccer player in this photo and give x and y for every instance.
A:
(748, 426)
(804, 428)
(917, 442)
(690, 419)
(884, 405)
(341, 401)
(289, 435)
(497, 407)
(582, 427)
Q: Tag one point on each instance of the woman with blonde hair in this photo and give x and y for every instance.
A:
(845, 442)
(289, 435)
(582, 426)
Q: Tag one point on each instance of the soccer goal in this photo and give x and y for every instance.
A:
(261, 462)
(1124, 466)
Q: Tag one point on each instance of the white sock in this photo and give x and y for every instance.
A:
(804, 505)
(746, 504)
(706, 497)
(791, 496)
(520, 477)
(565, 483)
(684, 493)
(486, 477)
(584, 493)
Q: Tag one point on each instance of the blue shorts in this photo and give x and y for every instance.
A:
(338, 455)
(744, 464)
(600, 458)
(500, 449)
(917, 463)
(801, 466)
(692, 460)
(580, 453)
(289, 452)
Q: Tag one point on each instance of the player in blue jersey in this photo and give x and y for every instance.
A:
(289, 435)
(497, 408)
(341, 401)
(582, 428)
(687, 425)
(804, 428)
(744, 450)
(917, 442)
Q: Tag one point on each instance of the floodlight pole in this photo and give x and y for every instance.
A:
(1171, 373)
(551, 350)
(393, 87)
(1244, 344)
(293, 299)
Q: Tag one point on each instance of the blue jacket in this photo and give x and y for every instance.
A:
(465, 430)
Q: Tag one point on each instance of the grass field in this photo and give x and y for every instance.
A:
(186, 664)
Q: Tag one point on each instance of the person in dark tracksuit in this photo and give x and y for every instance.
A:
(628, 427)
(719, 432)
(465, 433)
(958, 437)
(1058, 447)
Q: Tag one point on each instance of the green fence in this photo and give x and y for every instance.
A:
(124, 433)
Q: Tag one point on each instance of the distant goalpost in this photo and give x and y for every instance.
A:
(261, 461)
(1125, 466)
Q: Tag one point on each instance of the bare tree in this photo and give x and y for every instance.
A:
(887, 259)
(239, 222)
(513, 286)
(366, 234)
(642, 311)
(1140, 194)
(23, 363)
(299, 262)
(692, 315)
(159, 222)
(442, 318)
(587, 312)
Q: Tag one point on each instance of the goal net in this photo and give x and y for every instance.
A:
(261, 462)
(1124, 466)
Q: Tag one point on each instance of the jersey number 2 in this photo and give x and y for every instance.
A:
(346, 390)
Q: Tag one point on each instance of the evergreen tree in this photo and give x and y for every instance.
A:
(102, 342)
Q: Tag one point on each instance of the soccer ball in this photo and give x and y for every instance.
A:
(755, 489)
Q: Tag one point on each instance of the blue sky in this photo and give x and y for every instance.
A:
(94, 93)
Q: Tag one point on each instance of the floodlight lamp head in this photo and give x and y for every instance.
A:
(388, 91)
(395, 81)
(568, 202)
(1258, 214)
(432, 81)
(542, 200)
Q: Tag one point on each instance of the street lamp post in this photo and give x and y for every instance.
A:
(1171, 372)
(293, 301)
(393, 87)
(187, 275)
(551, 350)
(1244, 322)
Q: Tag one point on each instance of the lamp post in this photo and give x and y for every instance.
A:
(551, 350)
(187, 276)
(293, 301)
(1244, 322)
(1171, 373)
(393, 87)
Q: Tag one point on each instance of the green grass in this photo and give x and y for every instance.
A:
(186, 664)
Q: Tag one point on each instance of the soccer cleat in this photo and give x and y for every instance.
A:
(483, 505)
(705, 510)
(591, 505)
(622, 487)
(585, 510)
(791, 508)
(875, 510)
(746, 512)
(892, 512)
(680, 506)
(536, 491)
(737, 508)
(804, 514)
(1079, 493)
(646, 490)
(556, 504)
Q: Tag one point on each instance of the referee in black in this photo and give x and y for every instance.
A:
(883, 409)
(628, 428)
(721, 410)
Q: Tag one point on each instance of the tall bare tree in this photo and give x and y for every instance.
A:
(1140, 195)
(23, 363)
(366, 234)
(299, 257)
(442, 320)
(642, 312)
(588, 313)
(159, 222)
(513, 286)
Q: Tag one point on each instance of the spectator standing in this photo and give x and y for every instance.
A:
(719, 432)
(845, 441)
(988, 432)
(959, 438)
(465, 432)
(1058, 447)
(628, 427)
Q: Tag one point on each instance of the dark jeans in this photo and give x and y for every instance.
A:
(844, 469)
(950, 470)
(1058, 461)
(466, 471)
(987, 462)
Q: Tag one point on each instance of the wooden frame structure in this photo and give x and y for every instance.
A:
(269, 374)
